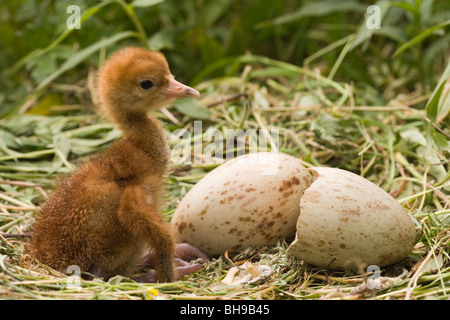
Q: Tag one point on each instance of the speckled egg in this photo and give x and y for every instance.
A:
(250, 200)
(347, 222)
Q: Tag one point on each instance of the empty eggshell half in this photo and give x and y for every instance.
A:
(250, 200)
(347, 222)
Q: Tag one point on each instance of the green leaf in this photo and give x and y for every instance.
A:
(433, 264)
(82, 55)
(94, 130)
(407, 7)
(86, 146)
(432, 106)
(145, 3)
(433, 103)
(7, 141)
(40, 52)
(435, 109)
(191, 108)
(62, 148)
(164, 39)
(315, 9)
(442, 143)
(44, 105)
(76, 59)
(413, 136)
(420, 37)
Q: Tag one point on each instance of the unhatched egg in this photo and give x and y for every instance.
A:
(346, 221)
(250, 200)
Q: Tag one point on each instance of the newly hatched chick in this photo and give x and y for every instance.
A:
(105, 216)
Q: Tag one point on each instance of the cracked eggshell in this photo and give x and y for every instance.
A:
(250, 200)
(348, 218)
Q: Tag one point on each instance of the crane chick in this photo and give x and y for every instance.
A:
(105, 217)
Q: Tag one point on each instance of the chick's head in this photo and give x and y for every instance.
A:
(137, 80)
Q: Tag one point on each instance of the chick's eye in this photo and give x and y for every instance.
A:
(146, 84)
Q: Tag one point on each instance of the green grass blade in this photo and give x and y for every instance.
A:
(314, 9)
(146, 3)
(77, 59)
(432, 106)
(420, 37)
(39, 52)
(83, 54)
(365, 33)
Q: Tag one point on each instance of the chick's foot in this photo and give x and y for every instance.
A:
(188, 260)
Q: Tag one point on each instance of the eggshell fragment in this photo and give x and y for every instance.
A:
(350, 222)
(250, 200)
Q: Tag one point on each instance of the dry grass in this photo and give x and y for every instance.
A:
(321, 121)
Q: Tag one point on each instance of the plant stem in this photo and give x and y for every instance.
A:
(137, 23)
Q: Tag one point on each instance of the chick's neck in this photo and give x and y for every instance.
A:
(145, 132)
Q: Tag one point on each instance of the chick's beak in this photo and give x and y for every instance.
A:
(176, 89)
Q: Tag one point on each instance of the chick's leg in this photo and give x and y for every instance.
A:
(184, 252)
(144, 222)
